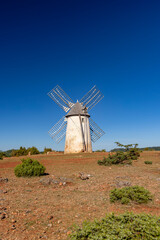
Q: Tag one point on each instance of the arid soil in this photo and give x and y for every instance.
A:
(31, 208)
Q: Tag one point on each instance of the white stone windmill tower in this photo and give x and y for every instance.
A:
(76, 125)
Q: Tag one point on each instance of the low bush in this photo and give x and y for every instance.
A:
(33, 151)
(125, 195)
(127, 226)
(19, 152)
(29, 168)
(148, 162)
(47, 150)
(1, 155)
(22, 151)
(103, 150)
(122, 157)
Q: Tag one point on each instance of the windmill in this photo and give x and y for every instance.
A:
(76, 124)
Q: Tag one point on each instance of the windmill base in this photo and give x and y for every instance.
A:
(68, 151)
(78, 138)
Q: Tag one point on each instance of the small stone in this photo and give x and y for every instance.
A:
(3, 216)
(3, 208)
(123, 183)
(84, 176)
(13, 227)
(3, 179)
(49, 225)
(28, 211)
(46, 181)
(13, 221)
(59, 221)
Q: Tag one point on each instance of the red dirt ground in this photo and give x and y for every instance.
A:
(35, 211)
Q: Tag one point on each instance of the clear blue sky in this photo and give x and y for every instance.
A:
(76, 44)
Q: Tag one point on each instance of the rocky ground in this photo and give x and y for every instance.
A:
(75, 189)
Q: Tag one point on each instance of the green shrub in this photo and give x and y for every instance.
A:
(47, 150)
(23, 151)
(103, 150)
(32, 151)
(20, 152)
(125, 195)
(1, 155)
(29, 168)
(148, 162)
(126, 226)
(105, 161)
(122, 157)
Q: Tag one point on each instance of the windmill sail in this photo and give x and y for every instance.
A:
(58, 131)
(91, 98)
(95, 131)
(61, 98)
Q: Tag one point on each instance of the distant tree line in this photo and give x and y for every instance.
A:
(102, 150)
(22, 151)
(143, 149)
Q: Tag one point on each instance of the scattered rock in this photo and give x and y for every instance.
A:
(61, 181)
(2, 199)
(3, 208)
(28, 211)
(84, 176)
(13, 227)
(3, 216)
(49, 225)
(3, 191)
(13, 221)
(43, 236)
(3, 180)
(46, 181)
(50, 217)
(122, 182)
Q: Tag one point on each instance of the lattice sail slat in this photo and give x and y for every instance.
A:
(61, 98)
(58, 131)
(91, 98)
(95, 131)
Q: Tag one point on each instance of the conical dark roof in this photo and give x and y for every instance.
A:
(77, 110)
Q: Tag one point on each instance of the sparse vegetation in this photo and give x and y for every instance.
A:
(23, 151)
(125, 195)
(103, 150)
(47, 150)
(33, 151)
(1, 155)
(148, 162)
(29, 168)
(142, 149)
(124, 226)
(131, 152)
(20, 152)
(59, 205)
